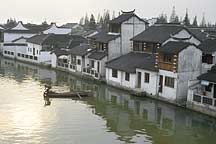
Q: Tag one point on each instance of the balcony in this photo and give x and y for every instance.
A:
(91, 72)
(208, 101)
(63, 65)
(166, 66)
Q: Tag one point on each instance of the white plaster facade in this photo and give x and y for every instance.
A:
(130, 29)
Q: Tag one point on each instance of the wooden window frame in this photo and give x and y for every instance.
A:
(169, 82)
(147, 77)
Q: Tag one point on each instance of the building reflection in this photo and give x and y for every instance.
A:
(129, 117)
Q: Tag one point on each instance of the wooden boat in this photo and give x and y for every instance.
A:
(74, 94)
(51, 94)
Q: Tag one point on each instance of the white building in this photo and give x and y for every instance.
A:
(54, 29)
(114, 43)
(160, 65)
(16, 32)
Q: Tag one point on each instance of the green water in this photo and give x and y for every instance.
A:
(111, 116)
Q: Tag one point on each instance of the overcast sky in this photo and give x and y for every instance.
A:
(62, 11)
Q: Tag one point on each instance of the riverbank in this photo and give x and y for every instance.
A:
(133, 92)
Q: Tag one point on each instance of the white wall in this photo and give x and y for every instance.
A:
(189, 68)
(53, 60)
(120, 80)
(55, 30)
(114, 48)
(45, 57)
(9, 37)
(168, 93)
(184, 34)
(129, 29)
(151, 87)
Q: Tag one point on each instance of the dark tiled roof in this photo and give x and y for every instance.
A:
(199, 33)
(60, 52)
(131, 61)
(19, 39)
(208, 46)
(15, 44)
(158, 33)
(104, 37)
(80, 50)
(97, 55)
(19, 31)
(174, 47)
(36, 28)
(124, 17)
(38, 39)
(209, 76)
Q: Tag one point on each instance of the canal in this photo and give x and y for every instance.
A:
(111, 116)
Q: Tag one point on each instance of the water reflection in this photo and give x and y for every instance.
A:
(121, 118)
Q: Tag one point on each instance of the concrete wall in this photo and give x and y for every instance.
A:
(151, 87)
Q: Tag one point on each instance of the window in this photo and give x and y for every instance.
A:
(37, 51)
(5, 52)
(35, 58)
(23, 55)
(18, 54)
(169, 82)
(31, 57)
(114, 73)
(147, 75)
(92, 63)
(167, 58)
(78, 61)
(127, 76)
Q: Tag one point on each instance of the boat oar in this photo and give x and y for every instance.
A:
(79, 95)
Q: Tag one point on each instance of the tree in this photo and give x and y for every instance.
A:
(10, 23)
(106, 19)
(173, 16)
(186, 20)
(86, 21)
(203, 22)
(81, 22)
(195, 24)
(162, 18)
(113, 15)
(92, 23)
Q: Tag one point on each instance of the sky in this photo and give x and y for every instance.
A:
(63, 11)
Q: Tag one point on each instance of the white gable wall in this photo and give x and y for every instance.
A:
(189, 68)
(9, 37)
(129, 29)
(184, 34)
(55, 30)
(114, 48)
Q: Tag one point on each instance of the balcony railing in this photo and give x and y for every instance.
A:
(91, 72)
(209, 101)
(63, 65)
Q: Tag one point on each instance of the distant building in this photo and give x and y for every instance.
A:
(54, 29)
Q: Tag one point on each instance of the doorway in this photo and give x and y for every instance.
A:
(161, 84)
(139, 80)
